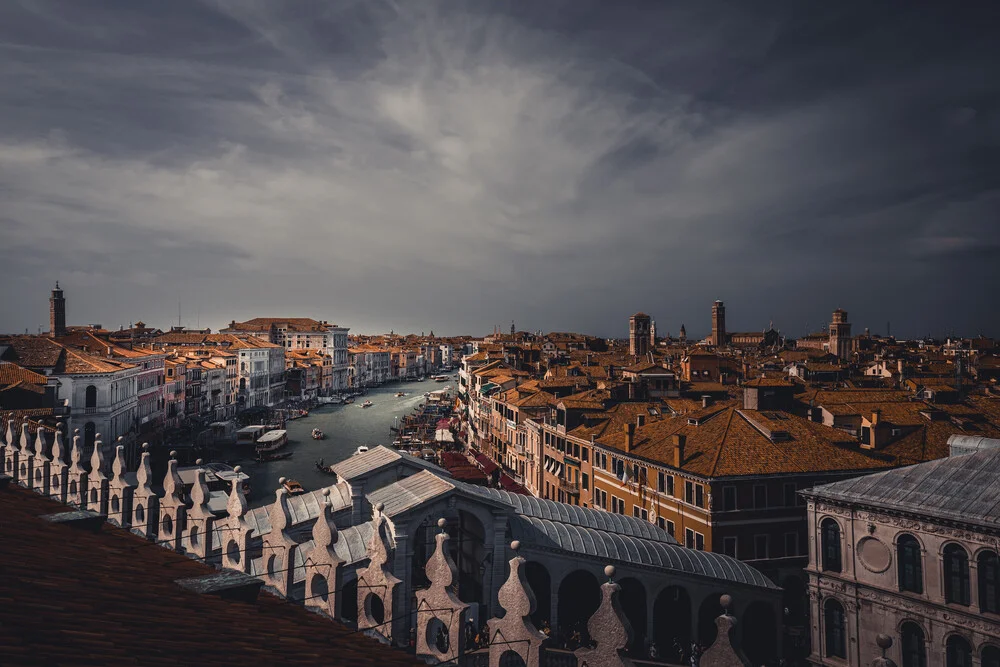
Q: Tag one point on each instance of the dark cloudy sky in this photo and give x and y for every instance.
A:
(423, 165)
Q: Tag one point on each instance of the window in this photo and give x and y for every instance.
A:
(689, 538)
(640, 513)
(913, 648)
(760, 547)
(617, 505)
(959, 653)
(671, 528)
(835, 626)
(699, 541)
(956, 575)
(989, 582)
(830, 537)
(688, 492)
(586, 481)
(759, 496)
(789, 493)
(791, 545)
(585, 453)
(91, 397)
(729, 546)
(729, 498)
(911, 576)
(699, 495)
(991, 657)
(661, 482)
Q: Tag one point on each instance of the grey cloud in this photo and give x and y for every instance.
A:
(453, 166)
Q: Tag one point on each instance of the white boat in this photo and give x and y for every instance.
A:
(439, 378)
(329, 400)
(360, 450)
(367, 404)
(272, 441)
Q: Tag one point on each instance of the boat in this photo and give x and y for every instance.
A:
(318, 434)
(439, 378)
(293, 487)
(400, 394)
(297, 414)
(272, 441)
(323, 468)
(349, 399)
(360, 450)
(329, 400)
(367, 404)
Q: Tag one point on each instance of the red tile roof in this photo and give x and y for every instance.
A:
(70, 597)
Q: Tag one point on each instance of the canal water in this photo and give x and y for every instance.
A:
(346, 427)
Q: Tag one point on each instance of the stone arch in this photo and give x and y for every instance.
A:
(633, 602)
(232, 550)
(511, 659)
(469, 553)
(709, 610)
(540, 583)
(831, 544)
(909, 562)
(319, 587)
(834, 628)
(579, 598)
(760, 633)
(958, 650)
(912, 644)
(990, 656)
(672, 623)
(955, 561)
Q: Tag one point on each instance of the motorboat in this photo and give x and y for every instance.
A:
(318, 434)
(400, 394)
(272, 441)
(367, 404)
(360, 450)
(293, 487)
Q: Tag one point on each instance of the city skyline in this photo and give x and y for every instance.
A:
(453, 167)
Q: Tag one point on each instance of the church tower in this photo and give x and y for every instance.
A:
(718, 324)
(638, 334)
(682, 335)
(57, 313)
(840, 334)
(652, 335)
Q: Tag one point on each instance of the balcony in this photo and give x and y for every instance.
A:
(569, 487)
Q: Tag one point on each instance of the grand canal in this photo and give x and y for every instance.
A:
(346, 427)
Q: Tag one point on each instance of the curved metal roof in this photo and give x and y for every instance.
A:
(573, 514)
(546, 534)
(304, 507)
(351, 547)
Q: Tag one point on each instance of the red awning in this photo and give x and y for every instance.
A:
(487, 465)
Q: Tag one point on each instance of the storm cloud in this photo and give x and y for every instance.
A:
(456, 165)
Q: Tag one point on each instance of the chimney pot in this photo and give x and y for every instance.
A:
(679, 441)
(629, 437)
(706, 400)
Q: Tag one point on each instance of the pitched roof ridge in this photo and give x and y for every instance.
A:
(722, 442)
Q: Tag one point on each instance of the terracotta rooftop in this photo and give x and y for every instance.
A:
(11, 374)
(71, 597)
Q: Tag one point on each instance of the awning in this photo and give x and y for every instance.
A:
(487, 465)
(443, 435)
(488, 388)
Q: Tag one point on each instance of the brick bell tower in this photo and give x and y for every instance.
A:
(718, 324)
(57, 313)
(638, 334)
(840, 334)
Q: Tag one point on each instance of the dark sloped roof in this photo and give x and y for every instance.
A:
(544, 534)
(79, 598)
(958, 488)
(551, 510)
(379, 457)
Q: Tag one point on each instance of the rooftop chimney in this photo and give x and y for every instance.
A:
(706, 400)
(679, 442)
(629, 437)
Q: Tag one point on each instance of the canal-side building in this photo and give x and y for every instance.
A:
(911, 553)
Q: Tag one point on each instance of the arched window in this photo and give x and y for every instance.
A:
(959, 653)
(913, 647)
(956, 575)
(836, 629)
(91, 397)
(991, 656)
(989, 583)
(911, 574)
(831, 545)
